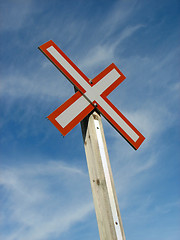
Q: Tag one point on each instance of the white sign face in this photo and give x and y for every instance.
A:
(89, 96)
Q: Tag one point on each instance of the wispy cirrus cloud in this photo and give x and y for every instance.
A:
(19, 85)
(104, 53)
(43, 200)
(14, 14)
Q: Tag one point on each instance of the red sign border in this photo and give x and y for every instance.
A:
(50, 43)
(82, 91)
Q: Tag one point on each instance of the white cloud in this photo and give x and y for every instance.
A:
(19, 85)
(103, 53)
(15, 14)
(43, 200)
(167, 208)
(116, 17)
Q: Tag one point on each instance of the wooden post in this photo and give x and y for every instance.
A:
(102, 184)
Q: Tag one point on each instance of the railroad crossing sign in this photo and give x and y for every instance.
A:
(91, 94)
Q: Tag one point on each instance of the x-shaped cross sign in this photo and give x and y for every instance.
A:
(91, 94)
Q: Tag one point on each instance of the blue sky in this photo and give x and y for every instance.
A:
(45, 192)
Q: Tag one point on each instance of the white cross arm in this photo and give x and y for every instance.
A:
(90, 95)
